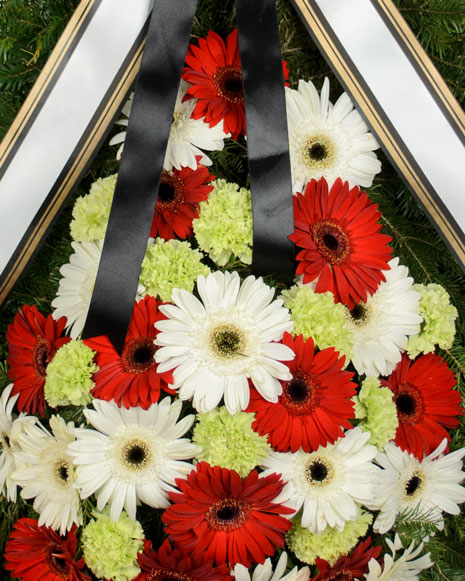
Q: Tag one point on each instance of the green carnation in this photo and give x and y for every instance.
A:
(375, 406)
(90, 213)
(224, 226)
(328, 545)
(169, 265)
(438, 327)
(110, 547)
(316, 315)
(229, 441)
(69, 375)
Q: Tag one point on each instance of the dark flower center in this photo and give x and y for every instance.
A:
(167, 575)
(137, 356)
(319, 471)
(166, 192)
(41, 357)
(171, 193)
(228, 514)
(317, 151)
(58, 564)
(405, 404)
(228, 83)
(297, 390)
(357, 312)
(136, 454)
(226, 340)
(412, 485)
(62, 470)
(332, 241)
(301, 394)
(409, 403)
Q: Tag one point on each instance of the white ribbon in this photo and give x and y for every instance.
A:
(66, 115)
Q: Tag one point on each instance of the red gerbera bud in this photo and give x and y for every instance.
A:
(33, 341)
(315, 404)
(225, 518)
(131, 379)
(343, 247)
(35, 552)
(426, 403)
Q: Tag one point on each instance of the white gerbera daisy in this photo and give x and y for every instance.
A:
(216, 345)
(186, 137)
(47, 474)
(406, 567)
(328, 483)
(380, 327)
(135, 455)
(77, 285)
(265, 572)
(10, 430)
(328, 141)
(424, 488)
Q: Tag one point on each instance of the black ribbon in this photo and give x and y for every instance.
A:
(147, 135)
(267, 138)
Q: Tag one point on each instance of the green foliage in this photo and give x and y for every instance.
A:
(440, 27)
(28, 31)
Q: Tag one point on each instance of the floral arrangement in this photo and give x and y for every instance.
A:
(270, 433)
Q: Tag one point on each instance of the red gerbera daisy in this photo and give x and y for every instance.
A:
(341, 240)
(33, 341)
(35, 553)
(131, 379)
(350, 567)
(315, 404)
(228, 520)
(178, 201)
(426, 403)
(169, 564)
(214, 71)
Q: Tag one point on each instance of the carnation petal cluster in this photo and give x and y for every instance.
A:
(329, 544)
(228, 440)
(136, 454)
(170, 265)
(316, 315)
(90, 212)
(69, 375)
(224, 226)
(438, 326)
(110, 547)
(375, 407)
(214, 346)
